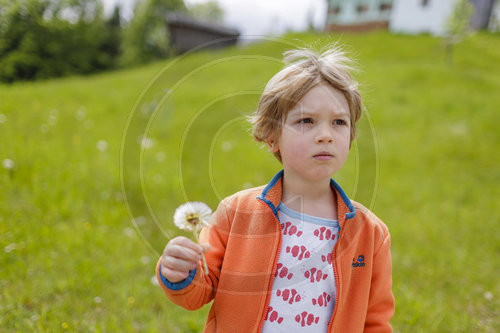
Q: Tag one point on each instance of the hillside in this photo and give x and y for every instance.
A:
(426, 162)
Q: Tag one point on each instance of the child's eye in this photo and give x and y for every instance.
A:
(305, 121)
(339, 122)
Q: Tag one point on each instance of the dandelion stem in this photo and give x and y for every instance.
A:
(205, 267)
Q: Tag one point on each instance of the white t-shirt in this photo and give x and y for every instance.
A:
(303, 293)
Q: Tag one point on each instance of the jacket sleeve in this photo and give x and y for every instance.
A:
(199, 289)
(381, 303)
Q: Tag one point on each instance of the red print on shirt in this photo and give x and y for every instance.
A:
(324, 233)
(298, 252)
(290, 230)
(315, 275)
(322, 300)
(282, 272)
(327, 258)
(273, 315)
(306, 319)
(289, 295)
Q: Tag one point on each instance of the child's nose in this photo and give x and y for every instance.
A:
(325, 134)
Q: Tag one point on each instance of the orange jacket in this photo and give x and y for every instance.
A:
(245, 241)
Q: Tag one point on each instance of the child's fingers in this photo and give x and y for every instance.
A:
(177, 264)
(183, 247)
(173, 275)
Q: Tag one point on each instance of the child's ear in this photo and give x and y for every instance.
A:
(273, 146)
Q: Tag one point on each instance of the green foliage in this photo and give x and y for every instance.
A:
(209, 10)
(146, 38)
(457, 25)
(71, 260)
(49, 38)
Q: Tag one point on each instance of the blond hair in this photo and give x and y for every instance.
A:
(305, 69)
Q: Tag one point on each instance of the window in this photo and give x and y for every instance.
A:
(361, 9)
(334, 10)
(385, 6)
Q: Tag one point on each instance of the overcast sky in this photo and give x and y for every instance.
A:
(257, 17)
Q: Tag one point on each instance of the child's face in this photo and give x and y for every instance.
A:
(315, 137)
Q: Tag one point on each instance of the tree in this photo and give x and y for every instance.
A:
(209, 10)
(50, 38)
(457, 26)
(146, 38)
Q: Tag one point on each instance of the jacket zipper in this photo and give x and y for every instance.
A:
(273, 273)
(337, 282)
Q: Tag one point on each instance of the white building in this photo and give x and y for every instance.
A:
(417, 16)
(357, 14)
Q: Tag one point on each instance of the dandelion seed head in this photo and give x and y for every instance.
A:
(8, 164)
(154, 281)
(52, 120)
(147, 143)
(81, 113)
(157, 178)
(129, 232)
(140, 220)
(102, 145)
(9, 248)
(192, 216)
(227, 146)
(97, 299)
(3, 118)
(488, 295)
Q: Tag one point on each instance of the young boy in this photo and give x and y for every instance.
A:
(296, 255)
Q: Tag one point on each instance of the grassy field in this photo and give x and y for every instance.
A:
(426, 162)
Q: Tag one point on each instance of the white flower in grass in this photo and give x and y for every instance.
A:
(154, 280)
(10, 247)
(102, 145)
(52, 120)
(8, 164)
(192, 216)
(81, 113)
(147, 143)
(227, 146)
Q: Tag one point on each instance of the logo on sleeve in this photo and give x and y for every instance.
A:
(359, 262)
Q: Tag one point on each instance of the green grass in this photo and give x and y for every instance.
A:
(426, 162)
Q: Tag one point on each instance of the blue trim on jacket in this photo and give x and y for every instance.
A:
(179, 285)
(271, 184)
(333, 183)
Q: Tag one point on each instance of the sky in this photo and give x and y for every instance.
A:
(256, 17)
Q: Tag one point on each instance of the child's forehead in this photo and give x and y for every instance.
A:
(321, 99)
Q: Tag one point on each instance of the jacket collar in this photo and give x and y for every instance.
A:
(271, 195)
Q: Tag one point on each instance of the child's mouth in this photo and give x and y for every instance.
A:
(323, 156)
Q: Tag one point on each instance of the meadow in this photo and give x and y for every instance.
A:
(93, 168)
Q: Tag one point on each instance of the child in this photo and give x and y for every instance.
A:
(296, 255)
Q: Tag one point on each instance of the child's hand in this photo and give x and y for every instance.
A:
(179, 257)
